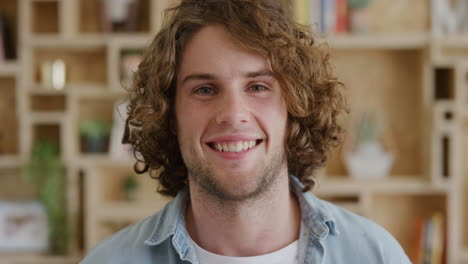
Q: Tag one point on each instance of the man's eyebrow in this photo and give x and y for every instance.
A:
(207, 76)
(259, 73)
(198, 76)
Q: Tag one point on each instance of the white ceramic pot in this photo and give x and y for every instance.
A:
(369, 161)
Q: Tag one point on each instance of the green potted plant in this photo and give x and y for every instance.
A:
(368, 159)
(130, 187)
(94, 135)
(358, 15)
(46, 171)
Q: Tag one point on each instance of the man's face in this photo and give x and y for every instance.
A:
(231, 117)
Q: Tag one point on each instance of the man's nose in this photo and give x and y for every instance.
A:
(232, 110)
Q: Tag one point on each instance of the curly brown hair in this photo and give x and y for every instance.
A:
(315, 99)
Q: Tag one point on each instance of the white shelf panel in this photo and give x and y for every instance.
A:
(9, 161)
(87, 41)
(392, 184)
(47, 117)
(452, 41)
(393, 42)
(464, 256)
(8, 68)
(103, 160)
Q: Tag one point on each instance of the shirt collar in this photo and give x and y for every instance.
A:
(316, 217)
(171, 220)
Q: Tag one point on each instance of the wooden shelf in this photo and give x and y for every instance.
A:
(392, 184)
(90, 160)
(379, 42)
(452, 41)
(9, 161)
(464, 256)
(36, 258)
(392, 66)
(9, 68)
(48, 118)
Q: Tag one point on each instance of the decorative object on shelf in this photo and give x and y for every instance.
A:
(429, 245)
(120, 15)
(46, 171)
(117, 149)
(94, 136)
(23, 227)
(358, 15)
(53, 74)
(130, 187)
(129, 61)
(449, 17)
(367, 158)
(7, 48)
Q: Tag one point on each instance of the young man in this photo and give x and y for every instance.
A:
(238, 106)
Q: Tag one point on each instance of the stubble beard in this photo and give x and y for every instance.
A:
(205, 179)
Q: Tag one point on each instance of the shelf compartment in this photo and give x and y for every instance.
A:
(444, 81)
(397, 100)
(399, 214)
(99, 112)
(9, 12)
(50, 132)
(82, 66)
(45, 17)
(47, 103)
(91, 17)
(106, 203)
(8, 117)
(15, 187)
(110, 180)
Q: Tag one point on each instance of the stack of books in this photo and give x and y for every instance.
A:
(326, 16)
(429, 240)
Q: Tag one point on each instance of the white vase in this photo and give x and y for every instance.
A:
(369, 161)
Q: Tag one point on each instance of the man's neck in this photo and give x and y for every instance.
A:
(257, 227)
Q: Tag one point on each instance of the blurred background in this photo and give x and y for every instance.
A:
(67, 182)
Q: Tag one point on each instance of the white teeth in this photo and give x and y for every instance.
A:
(232, 147)
(235, 146)
(239, 147)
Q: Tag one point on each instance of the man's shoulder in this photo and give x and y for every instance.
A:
(365, 235)
(129, 241)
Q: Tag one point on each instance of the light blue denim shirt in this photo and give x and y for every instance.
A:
(329, 235)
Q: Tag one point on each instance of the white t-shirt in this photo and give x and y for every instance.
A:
(286, 255)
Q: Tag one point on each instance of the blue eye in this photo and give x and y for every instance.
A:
(205, 90)
(257, 88)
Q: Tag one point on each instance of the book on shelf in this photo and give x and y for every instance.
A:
(429, 240)
(326, 16)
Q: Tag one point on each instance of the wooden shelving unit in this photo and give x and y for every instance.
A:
(417, 80)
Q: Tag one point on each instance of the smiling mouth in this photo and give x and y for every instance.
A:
(234, 146)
